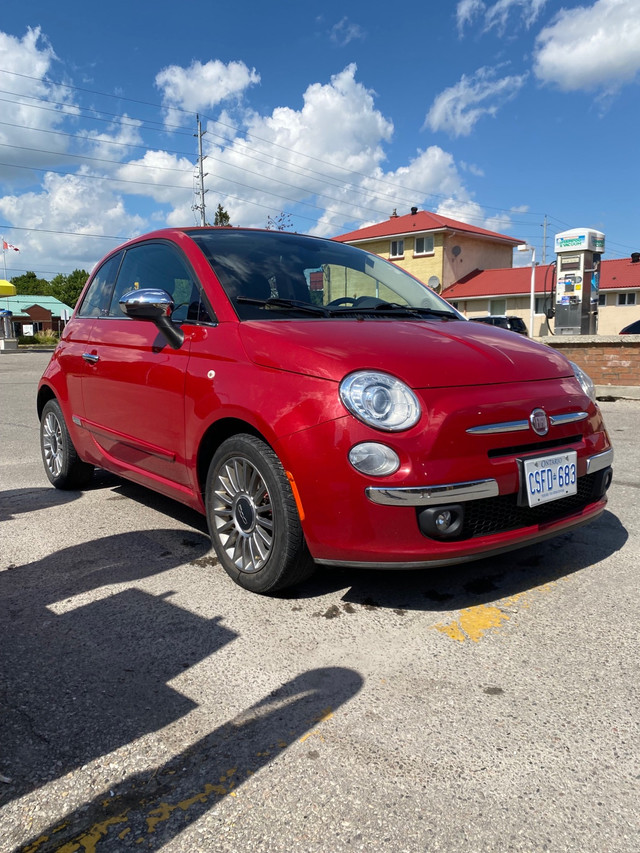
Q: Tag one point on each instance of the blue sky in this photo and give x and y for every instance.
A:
(499, 113)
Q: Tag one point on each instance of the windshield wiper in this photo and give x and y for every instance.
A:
(395, 308)
(431, 312)
(289, 304)
(322, 311)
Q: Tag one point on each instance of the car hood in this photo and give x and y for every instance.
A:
(423, 354)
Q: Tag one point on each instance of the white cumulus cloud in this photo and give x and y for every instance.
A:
(202, 86)
(291, 156)
(590, 47)
(68, 204)
(471, 212)
(27, 128)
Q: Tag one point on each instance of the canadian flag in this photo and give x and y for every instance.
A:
(6, 246)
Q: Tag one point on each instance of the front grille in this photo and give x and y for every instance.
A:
(502, 513)
(537, 446)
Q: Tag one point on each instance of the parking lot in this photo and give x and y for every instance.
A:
(148, 703)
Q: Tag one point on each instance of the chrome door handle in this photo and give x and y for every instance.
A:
(90, 357)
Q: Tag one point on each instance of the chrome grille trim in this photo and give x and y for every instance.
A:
(473, 490)
(568, 418)
(521, 426)
(600, 461)
(493, 429)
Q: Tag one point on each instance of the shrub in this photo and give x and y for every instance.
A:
(47, 337)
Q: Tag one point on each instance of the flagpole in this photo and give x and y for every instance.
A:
(4, 258)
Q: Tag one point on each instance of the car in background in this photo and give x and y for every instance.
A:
(319, 405)
(513, 324)
(631, 329)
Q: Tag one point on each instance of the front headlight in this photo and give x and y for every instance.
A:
(585, 381)
(380, 400)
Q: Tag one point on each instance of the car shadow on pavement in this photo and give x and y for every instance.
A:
(84, 669)
(14, 502)
(126, 490)
(467, 584)
(432, 589)
(151, 808)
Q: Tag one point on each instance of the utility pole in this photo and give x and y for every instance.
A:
(201, 176)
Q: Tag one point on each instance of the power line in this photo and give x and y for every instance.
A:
(270, 143)
(92, 159)
(71, 110)
(247, 152)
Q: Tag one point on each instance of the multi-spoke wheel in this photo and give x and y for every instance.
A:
(62, 464)
(253, 518)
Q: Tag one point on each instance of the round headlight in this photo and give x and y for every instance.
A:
(380, 400)
(585, 381)
(376, 460)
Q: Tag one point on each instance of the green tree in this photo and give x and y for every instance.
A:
(29, 283)
(67, 288)
(221, 217)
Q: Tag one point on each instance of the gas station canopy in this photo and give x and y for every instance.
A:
(6, 288)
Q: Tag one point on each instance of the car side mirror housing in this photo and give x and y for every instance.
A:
(157, 306)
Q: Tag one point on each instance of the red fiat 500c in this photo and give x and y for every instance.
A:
(319, 405)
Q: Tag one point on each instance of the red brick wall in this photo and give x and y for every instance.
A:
(609, 360)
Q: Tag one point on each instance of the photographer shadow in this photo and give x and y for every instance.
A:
(82, 677)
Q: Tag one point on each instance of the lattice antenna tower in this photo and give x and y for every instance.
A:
(198, 178)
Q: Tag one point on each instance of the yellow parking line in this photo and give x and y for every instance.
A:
(155, 813)
(473, 623)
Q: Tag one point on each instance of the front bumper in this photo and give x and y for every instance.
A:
(352, 519)
(459, 492)
(523, 539)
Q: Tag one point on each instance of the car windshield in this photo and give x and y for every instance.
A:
(272, 274)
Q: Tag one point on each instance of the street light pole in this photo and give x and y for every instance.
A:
(532, 305)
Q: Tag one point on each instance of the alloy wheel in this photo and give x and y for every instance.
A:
(52, 444)
(243, 514)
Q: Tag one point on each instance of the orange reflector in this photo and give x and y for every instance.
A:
(296, 494)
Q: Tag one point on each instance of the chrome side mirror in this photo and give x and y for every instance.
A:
(155, 305)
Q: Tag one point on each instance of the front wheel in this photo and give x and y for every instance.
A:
(253, 519)
(62, 464)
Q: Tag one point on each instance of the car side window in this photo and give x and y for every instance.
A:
(159, 266)
(98, 296)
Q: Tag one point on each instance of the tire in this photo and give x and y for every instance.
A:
(253, 519)
(63, 466)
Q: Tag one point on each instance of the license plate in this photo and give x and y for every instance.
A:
(548, 478)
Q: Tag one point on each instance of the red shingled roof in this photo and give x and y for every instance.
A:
(421, 221)
(618, 274)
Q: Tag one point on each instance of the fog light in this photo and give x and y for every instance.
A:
(374, 459)
(442, 522)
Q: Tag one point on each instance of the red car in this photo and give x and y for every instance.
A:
(319, 405)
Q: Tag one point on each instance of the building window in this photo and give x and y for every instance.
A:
(498, 306)
(602, 299)
(626, 299)
(454, 305)
(424, 245)
(397, 249)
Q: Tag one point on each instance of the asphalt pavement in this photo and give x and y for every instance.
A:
(148, 703)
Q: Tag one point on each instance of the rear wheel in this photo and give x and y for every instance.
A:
(62, 464)
(253, 519)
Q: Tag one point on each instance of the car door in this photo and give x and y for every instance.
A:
(134, 389)
(71, 353)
